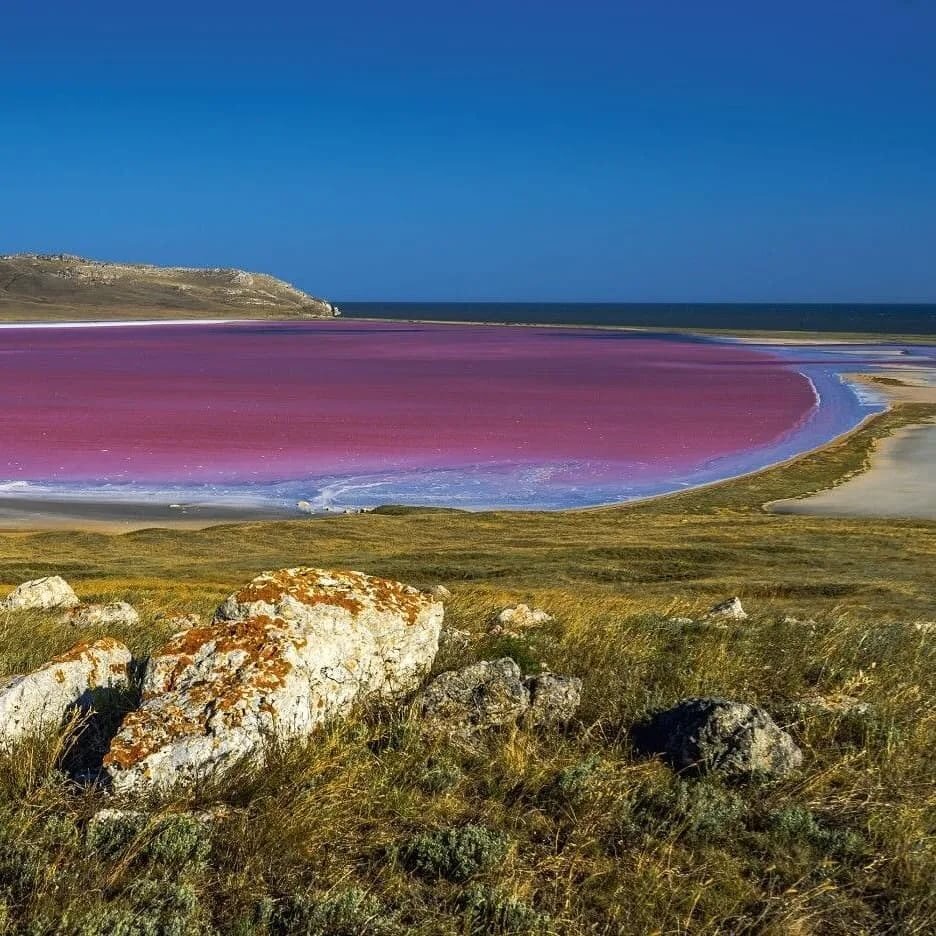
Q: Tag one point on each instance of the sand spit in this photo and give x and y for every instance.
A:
(900, 482)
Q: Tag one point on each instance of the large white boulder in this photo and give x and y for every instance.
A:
(289, 650)
(40, 700)
(40, 594)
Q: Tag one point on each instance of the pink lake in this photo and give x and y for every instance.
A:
(266, 403)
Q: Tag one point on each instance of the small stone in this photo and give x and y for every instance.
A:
(554, 699)
(711, 734)
(440, 592)
(114, 614)
(40, 594)
(680, 621)
(731, 610)
(523, 616)
(40, 700)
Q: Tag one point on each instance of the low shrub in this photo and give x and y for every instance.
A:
(455, 854)
(490, 911)
(350, 912)
(797, 826)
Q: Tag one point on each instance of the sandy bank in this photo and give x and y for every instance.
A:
(900, 482)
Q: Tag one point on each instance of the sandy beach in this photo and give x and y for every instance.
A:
(900, 481)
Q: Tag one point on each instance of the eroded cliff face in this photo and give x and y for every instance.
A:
(34, 287)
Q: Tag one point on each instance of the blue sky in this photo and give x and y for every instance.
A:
(647, 151)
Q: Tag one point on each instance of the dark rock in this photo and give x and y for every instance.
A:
(732, 738)
(482, 695)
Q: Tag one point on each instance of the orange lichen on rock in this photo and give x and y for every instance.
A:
(243, 661)
(284, 653)
(352, 591)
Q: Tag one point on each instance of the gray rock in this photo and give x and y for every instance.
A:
(492, 693)
(41, 699)
(286, 652)
(554, 699)
(711, 734)
(40, 594)
(440, 592)
(731, 610)
(479, 696)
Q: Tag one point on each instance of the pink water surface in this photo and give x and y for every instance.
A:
(257, 401)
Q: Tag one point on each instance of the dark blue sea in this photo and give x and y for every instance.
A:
(807, 317)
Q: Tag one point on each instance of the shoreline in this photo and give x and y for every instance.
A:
(58, 511)
(105, 516)
(753, 335)
(896, 480)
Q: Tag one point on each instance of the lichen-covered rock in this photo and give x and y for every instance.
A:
(286, 652)
(491, 693)
(730, 610)
(113, 614)
(40, 594)
(41, 699)
(401, 623)
(711, 734)
(554, 699)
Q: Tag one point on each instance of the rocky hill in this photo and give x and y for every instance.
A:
(35, 287)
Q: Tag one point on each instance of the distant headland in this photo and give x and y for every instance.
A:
(59, 287)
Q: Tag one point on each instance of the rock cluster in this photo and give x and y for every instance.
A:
(492, 693)
(295, 647)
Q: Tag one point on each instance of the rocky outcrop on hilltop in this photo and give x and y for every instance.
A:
(38, 286)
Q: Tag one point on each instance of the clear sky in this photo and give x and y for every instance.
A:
(670, 150)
